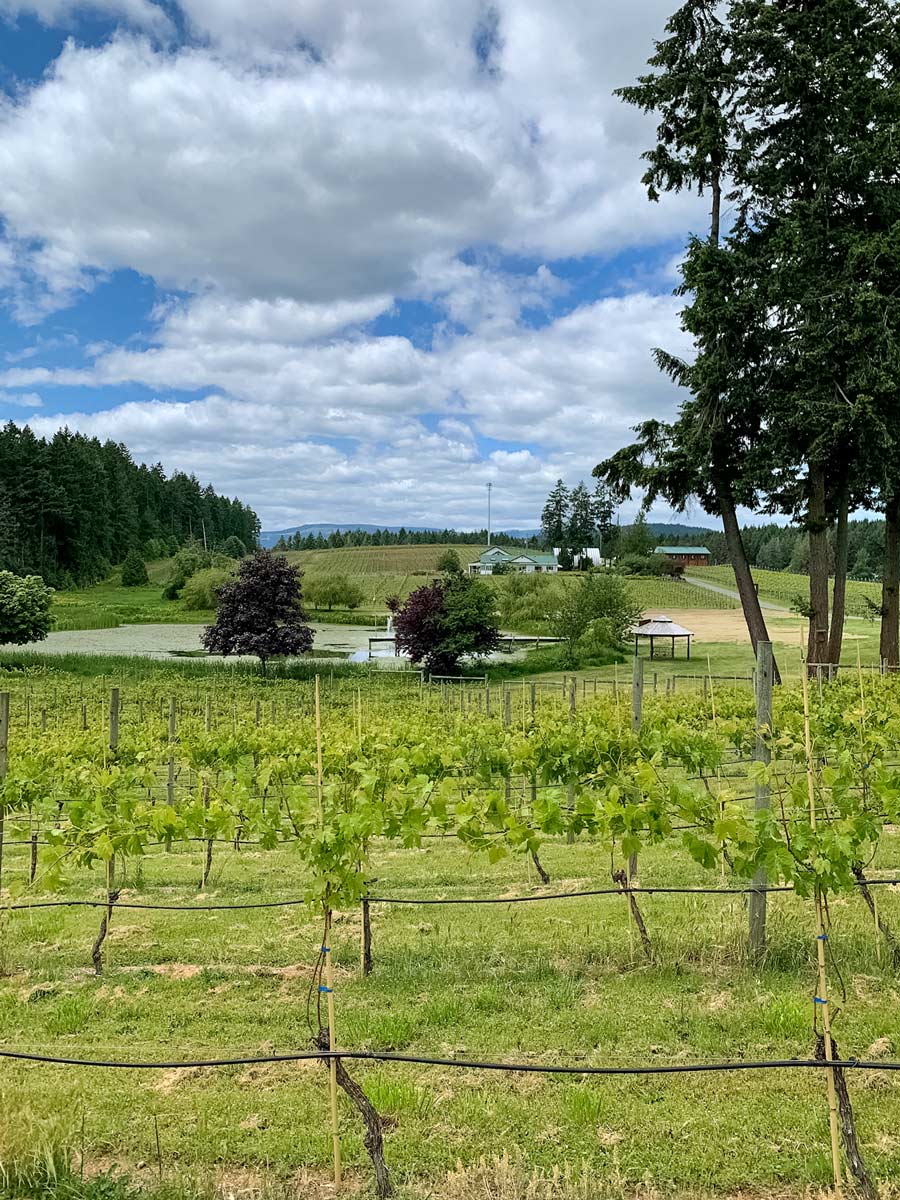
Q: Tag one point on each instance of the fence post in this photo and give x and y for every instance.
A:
(637, 692)
(114, 720)
(4, 763)
(764, 679)
(573, 692)
(533, 691)
(507, 706)
(170, 779)
(637, 708)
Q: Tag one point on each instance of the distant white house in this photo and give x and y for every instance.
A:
(529, 562)
(592, 553)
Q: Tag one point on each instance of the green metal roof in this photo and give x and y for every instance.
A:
(681, 550)
(540, 558)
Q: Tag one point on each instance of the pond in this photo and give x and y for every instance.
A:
(172, 641)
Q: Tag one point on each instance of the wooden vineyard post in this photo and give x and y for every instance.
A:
(533, 699)
(170, 775)
(208, 712)
(637, 709)
(570, 788)
(4, 765)
(764, 681)
(507, 706)
(821, 997)
(637, 692)
(113, 720)
(365, 939)
(487, 699)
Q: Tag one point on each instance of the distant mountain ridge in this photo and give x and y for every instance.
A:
(269, 537)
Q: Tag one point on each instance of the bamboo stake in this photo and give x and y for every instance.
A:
(170, 766)
(712, 696)
(822, 997)
(319, 760)
(332, 1063)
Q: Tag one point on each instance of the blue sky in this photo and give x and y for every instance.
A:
(349, 262)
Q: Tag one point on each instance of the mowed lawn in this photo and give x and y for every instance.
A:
(562, 981)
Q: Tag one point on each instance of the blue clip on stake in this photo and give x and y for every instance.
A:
(323, 988)
(819, 1000)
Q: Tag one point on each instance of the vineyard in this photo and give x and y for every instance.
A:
(382, 571)
(389, 834)
(783, 587)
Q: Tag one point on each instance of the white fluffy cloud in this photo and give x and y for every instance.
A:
(142, 14)
(21, 399)
(289, 174)
(568, 391)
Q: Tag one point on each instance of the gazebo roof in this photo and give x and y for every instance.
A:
(660, 626)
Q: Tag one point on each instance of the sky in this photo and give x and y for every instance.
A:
(347, 261)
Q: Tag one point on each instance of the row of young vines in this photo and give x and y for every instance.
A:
(98, 779)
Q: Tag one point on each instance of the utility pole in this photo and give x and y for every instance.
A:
(489, 486)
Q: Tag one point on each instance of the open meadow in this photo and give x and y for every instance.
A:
(208, 792)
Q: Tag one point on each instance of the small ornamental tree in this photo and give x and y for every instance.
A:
(24, 608)
(260, 612)
(445, 620)
(599, 605)
(134, 572)
(449, 563)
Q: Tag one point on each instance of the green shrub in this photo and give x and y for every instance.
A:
(134, 572)
(190, 559)
(657, 565)
(201, 591)
(332, 591)
(233, 547)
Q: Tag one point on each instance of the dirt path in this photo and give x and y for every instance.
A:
(727, 625)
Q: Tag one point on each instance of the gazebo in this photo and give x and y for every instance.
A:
(660, 627)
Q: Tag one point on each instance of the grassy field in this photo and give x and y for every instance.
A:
(561, 982)
(782, 587)
(108, 604)
(383, 571)
(380, 571)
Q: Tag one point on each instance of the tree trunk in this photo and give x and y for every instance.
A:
(890, 585)
(753, 614)
(817, 530)
(839, 591)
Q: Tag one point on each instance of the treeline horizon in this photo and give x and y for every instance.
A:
(770, 547)
(73, 507)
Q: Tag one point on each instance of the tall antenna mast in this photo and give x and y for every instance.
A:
(489, 486)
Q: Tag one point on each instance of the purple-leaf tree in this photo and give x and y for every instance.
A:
(446, 620)
(260, 612)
